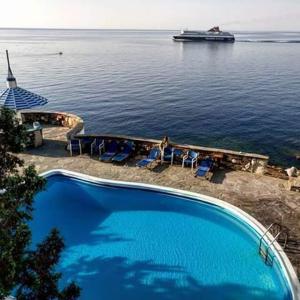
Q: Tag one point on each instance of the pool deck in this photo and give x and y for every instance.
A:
(263, 197)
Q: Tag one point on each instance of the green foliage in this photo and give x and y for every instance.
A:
(14, 133)
(29, 273)
(12, 138)
(40, 273)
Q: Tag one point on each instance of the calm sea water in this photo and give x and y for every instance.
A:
(243, 96)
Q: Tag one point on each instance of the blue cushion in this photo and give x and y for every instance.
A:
(112, 147)
(107, 156)
(204, 167)
(188, 161)
(120, 157)
(201, 173)
(145, 162)
(154, 153)
(167, 157)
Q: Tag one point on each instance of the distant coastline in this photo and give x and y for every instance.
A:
(145, 29)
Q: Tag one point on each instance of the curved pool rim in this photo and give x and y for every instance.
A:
(283, 260)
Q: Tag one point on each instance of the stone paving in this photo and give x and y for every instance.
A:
(263, 197)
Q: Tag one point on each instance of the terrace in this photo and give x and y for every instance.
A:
(264, 197)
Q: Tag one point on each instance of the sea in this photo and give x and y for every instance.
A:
(243, 96)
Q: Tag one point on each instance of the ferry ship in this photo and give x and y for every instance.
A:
(214, 35)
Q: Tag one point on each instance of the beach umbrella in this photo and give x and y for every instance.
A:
(17, 98)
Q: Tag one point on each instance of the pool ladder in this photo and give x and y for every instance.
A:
(265, 245)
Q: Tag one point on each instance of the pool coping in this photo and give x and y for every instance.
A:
(282, 258)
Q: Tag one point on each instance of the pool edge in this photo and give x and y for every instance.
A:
(283, 260)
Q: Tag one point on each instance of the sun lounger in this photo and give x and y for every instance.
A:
(152, 157)
(168, 155)
(204, 168)
(177, 155)
(75, 146)
(190, 159)
(126, 152)
(111, 151)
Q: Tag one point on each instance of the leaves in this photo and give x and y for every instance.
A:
(30, 273)
(40, 272)
(12, 132)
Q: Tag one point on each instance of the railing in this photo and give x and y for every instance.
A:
(266, 244)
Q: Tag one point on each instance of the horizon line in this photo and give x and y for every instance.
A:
(133, 29)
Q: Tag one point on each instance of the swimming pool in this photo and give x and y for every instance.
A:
(132, 241)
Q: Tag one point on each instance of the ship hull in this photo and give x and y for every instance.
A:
(181, 38)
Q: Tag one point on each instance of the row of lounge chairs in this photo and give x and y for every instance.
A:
(112, 151)
(190, 159)
(117, 153)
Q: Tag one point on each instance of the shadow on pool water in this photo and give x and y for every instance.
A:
(103, 253)
(117, 278)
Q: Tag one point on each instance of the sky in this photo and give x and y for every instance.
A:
(152, 14)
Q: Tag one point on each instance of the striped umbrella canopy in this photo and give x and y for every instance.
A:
(17, 98)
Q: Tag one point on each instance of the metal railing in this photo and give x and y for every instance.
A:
(266, 244)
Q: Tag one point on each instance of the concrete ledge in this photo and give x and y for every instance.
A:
(75, 123)
(234, 159)
(180, 146)
(240, 158)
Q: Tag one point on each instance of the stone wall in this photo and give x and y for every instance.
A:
(250, 162)
(75, 123)
(236, 160)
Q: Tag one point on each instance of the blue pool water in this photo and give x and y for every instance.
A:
(124, 243)
(242, 96)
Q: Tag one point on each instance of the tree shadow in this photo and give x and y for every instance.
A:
(131, 162)
(79, 210)
(160, 167)
(70, 215)
(119, 278)
(293, 245)
(219, 176)
(50, 148)
(78, 199)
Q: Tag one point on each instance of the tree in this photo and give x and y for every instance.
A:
(30, 274)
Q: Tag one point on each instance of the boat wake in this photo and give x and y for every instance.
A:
(267, 41)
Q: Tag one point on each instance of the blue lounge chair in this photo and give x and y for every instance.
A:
(190, 159)
(126, 152)
(168, 155)
(111, 151)
(152, 157)
(178, 155)
(75, 146)
(205, 166)
(97, 146)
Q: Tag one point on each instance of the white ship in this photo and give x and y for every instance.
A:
(214, 35)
